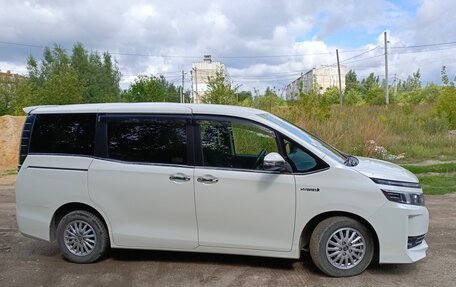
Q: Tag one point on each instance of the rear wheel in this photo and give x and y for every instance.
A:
(341, 246)
(82, 237)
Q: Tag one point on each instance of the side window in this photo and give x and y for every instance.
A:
(235, 144)
(301, 159)
(250, 139)
(64, 134)
(216, 144)
(147, 139)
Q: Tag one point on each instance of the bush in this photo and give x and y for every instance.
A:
(446, 106)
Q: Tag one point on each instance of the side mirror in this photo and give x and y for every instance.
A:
(275, 162)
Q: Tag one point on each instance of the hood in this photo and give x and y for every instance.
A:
(375, 168)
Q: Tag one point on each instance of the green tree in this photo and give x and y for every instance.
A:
(99, 75)
(312, 105)
(268, 100)
(353, 97)
(245, 98)
(445, 79)
(332, 95)
(81, 77)
(244, 95)
(220, 91)
(153, 89)
(7, 93)
(23, 96)
(369, 83)
(351, 82)
(371, 90)
(412, 83)
(146, 89)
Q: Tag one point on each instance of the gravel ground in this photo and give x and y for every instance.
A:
(29, 262)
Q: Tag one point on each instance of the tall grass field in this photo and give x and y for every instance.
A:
(414, 133)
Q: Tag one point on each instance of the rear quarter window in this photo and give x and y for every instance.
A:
(72, 134)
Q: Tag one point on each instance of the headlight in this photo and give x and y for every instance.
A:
(404, 197)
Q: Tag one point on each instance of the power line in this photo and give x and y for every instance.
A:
(197, 57)
(356, 56)
(398, 50)
(364, 59)
(424, 45)
(423, 51)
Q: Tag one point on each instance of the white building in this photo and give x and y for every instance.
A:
(201, 72)
(320, 78)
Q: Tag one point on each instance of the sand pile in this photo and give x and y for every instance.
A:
(10, 135)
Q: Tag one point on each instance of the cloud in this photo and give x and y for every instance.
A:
(261, 42)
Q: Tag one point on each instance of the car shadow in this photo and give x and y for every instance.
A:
(392, 269)
(210, 258)
(304, 263)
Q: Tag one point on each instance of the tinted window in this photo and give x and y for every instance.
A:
(147, 139)
(217, 148)
(235, 144)
(310, 139)
(301, 159)
(64, 134)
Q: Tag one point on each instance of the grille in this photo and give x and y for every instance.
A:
(415, 241)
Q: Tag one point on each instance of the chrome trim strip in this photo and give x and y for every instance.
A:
(57, 168)
(396, 182)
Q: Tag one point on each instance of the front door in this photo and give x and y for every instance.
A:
(238, 204)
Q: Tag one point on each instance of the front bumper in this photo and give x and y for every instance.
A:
(396, 224)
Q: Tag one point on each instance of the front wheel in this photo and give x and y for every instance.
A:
(82, 237)
(341, 246)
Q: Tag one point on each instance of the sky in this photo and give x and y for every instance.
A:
(262, 43)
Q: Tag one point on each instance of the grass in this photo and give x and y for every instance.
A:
(415, 131)
(437, 184)
(438, 168)
(442, 181)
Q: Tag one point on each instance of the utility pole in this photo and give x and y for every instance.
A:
(340, 80)
(195, 97)
(191, 77)
(182, 88)
(395, 88)
(386, 68)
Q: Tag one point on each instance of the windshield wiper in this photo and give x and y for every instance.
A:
(351, 160)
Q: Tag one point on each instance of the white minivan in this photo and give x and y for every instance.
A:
(210, 178)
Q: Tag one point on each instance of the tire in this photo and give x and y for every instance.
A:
(82, 237)
(334, 253)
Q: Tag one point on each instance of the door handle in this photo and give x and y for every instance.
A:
(179, 177)
(207, 179)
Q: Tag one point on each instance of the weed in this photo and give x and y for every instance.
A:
(439, 168)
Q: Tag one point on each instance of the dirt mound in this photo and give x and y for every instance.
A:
(10, 135)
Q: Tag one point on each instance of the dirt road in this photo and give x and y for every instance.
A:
(29, 262)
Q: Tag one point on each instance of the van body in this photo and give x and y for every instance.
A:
(210, 178)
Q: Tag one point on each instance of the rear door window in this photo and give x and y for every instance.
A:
(147, 139)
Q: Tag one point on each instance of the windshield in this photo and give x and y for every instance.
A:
(307, 137)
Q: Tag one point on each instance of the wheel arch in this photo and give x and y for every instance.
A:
(311, 224)
(69, 207)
